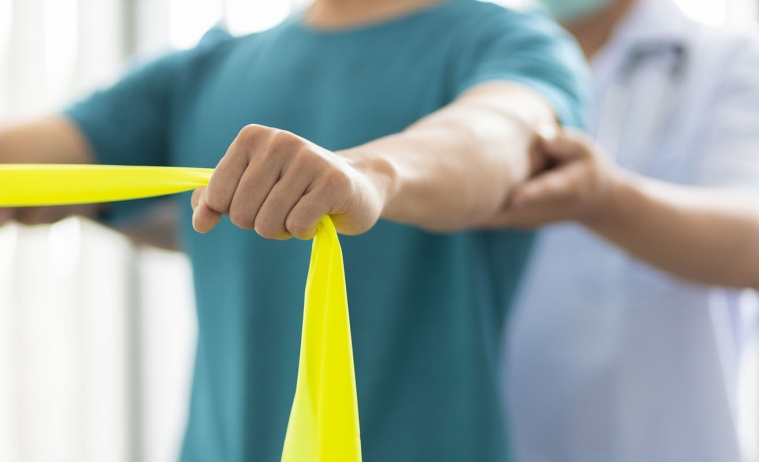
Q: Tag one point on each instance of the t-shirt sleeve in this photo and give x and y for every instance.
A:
(130, 123)
(530, 49)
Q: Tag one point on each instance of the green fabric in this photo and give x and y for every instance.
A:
(426, 310)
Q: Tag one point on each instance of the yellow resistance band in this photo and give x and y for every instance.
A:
(323, 423)
(33, 185)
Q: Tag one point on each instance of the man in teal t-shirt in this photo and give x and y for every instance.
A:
(419, 114)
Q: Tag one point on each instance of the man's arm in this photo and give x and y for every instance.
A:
(55, 140)
(454, 168)
(449, 171)
(704, 234)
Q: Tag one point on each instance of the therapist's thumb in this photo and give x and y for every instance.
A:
(565, 146)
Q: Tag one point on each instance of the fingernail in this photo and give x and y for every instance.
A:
(194, 219)
(547, 132)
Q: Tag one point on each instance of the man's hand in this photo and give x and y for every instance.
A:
(576, 189)
(43, 215)
(281, 185)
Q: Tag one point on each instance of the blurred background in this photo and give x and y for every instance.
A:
(97, 331)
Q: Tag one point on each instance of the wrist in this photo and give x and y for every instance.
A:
(380, 172)
(611, 199)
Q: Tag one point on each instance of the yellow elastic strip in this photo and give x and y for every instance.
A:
(324, 425)
(24, 185)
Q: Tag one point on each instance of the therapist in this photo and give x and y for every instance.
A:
(609, 358)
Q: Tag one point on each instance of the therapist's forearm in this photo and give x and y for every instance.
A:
(455, 168)
(706, 235)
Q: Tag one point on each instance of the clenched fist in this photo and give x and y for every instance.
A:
(281, 185)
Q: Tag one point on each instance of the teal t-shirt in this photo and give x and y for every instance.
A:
(427, 310)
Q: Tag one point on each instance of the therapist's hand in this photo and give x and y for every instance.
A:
(281, 185)
(578, 188)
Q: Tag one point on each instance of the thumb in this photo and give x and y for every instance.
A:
(563, 146)
(204, 219)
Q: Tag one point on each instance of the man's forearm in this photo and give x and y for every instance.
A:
(455, 168)
(55, 140)
(706, 235)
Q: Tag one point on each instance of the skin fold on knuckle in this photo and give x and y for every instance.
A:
(251, 133)
(267, 228)
(338, 185)
(306, 162)
(284, 147)
(246, 142)
(300, 227)
(241, 218)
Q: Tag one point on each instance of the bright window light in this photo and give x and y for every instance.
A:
(718, 12)
(6, 13)
(61, 41)
(712, 12)
(246, 16)
(190, 19)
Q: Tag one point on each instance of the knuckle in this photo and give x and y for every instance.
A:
(306, 160)
(337, 181)
(298, 226)
(251, 131)
(284, 143)
(248, 139)
(268, 229)
(240, 218)
(217, 201)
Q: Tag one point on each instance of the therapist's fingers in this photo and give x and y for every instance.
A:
(204, 218)
(559, 187)
(526, 218)
(566, 146)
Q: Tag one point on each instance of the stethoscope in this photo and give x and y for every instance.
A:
(613, 121)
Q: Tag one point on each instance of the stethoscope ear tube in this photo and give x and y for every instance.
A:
(614, 118)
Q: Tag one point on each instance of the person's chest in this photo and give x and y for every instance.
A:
(335, 93)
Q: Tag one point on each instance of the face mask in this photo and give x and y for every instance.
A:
(570, 10)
